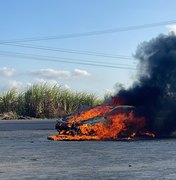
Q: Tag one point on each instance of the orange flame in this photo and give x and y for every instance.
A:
(115, 126)
(94, 112)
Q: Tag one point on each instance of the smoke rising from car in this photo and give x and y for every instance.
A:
(154, 92)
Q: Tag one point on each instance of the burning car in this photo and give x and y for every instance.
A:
(101, 123)
(70, 124)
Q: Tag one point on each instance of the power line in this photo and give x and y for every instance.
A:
(63, 60)
(91, 33)
(72, 51)
(56, 57)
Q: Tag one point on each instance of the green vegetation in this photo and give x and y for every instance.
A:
(43, 101)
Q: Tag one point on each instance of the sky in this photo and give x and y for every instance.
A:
(95, 63)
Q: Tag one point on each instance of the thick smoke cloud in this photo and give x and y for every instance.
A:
(154, 92)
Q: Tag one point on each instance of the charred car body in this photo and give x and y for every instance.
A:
(68, 126)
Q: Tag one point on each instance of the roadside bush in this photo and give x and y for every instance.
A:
(8, 101)
(44, 101)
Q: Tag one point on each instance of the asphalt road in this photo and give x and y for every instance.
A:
(26, 153)
(14, 125)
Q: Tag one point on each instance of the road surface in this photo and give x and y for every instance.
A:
(26, 153)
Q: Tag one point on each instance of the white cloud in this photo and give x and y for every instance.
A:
(66, 86)
(109, 91)
(7, 72)
(11, 84)
(51, 74)
(171, 28)
(79, 72)
(21, 86)
(59, 74)
(50, 82)
(15, 84)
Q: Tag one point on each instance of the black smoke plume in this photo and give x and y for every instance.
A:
(154, 92)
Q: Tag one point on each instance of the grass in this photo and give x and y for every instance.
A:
(43, 101)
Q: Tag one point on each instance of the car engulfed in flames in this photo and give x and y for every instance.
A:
(102, 123)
